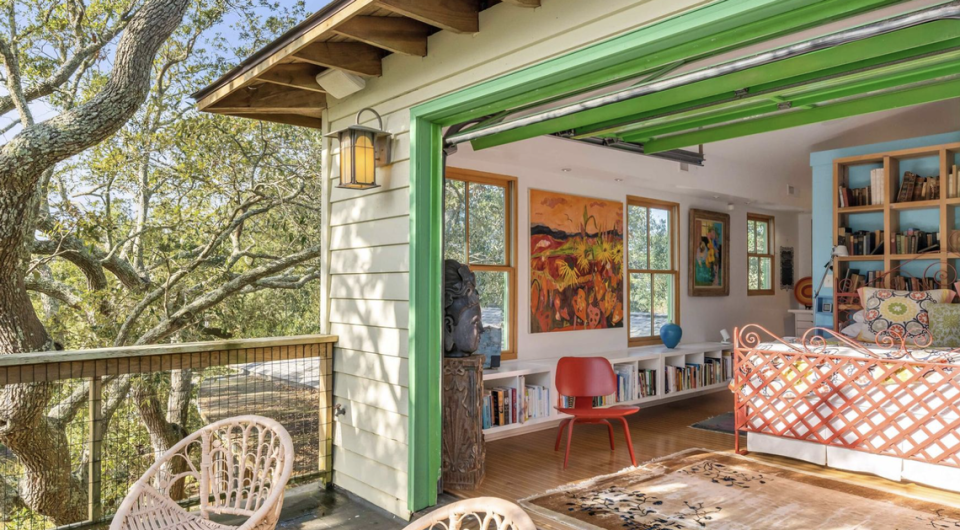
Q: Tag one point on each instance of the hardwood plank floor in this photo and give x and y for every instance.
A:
(524, 465)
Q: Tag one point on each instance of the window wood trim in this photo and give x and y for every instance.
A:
(674, 212)
(510, 231)
(771, 244)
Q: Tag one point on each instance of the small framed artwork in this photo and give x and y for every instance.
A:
(826, 307)
(709, 260)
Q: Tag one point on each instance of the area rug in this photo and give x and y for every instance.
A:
(725, 423)
(704, 489)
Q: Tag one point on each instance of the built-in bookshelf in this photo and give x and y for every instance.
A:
(521, 394)
(897, 214)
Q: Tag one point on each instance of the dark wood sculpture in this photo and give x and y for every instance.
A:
(461, 310)
(463, 451)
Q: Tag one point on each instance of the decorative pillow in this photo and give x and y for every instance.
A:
(945, 325)
(854, 330)
(858, 317)
(902, 313)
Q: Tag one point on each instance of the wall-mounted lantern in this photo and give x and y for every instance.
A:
(362, 150)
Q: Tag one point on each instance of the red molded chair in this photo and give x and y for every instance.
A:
(584, 378)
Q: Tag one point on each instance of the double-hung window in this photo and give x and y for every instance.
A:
(759, 254)
(480, 213)
(653, 287)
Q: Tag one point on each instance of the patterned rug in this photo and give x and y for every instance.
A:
(704, 489)
(725, 423)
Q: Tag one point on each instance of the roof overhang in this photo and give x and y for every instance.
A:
(278, 82)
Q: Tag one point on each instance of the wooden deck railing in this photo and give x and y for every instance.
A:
(104, 399)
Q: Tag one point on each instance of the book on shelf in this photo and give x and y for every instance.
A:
(914, 241)
(862, 242)
(906, 283)
(507, 406)
(647, 383)
(952, 183)
(853, 280)
(917, 188)
(866, 196)
(626, 382)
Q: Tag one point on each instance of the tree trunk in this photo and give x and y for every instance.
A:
(47, 485)
(164, 434)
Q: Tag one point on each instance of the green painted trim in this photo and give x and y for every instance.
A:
(883, 78)
(426, 306)
(848, 56)
(713, 28)
(894, 100)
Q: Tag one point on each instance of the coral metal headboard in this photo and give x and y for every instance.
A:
(895, 400)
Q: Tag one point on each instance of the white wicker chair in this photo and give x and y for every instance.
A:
(490, 513)
(245, 463)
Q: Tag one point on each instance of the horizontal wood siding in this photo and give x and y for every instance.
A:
(368, 240)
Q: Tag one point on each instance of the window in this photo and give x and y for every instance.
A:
(653, 289)
(480, 230)
(759, 254)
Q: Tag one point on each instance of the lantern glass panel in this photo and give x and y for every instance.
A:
(365, 159)
(346, 159)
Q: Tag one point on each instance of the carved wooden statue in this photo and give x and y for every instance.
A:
(461, 306)
(463, 450)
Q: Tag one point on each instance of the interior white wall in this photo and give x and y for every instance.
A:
(701, 318)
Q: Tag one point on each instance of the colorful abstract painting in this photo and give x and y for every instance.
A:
(576, 262)
(709, 253)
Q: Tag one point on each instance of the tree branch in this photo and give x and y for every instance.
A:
(186, 314)
(53, 289)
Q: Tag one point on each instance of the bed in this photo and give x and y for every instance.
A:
(886, 408)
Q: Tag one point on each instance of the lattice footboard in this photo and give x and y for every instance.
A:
(887, 400)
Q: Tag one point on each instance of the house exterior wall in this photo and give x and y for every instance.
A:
(366, 272)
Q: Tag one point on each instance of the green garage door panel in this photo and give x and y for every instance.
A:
(828, 69)
(716, 28)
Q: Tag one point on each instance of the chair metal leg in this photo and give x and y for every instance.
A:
(563, 425)
(626, 434)
(566, 457)
(610, 432)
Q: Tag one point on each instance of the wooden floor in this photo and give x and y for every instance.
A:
(524, 465)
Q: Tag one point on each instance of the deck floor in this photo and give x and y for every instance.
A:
(524, 465)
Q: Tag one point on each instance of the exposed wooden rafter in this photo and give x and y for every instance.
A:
(269, 98)
(460, 16)
(352, 57)
(394, 34)
(303, 76)
(279, 83)
(289, 119)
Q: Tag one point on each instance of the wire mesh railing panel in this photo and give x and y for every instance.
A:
(85, 431)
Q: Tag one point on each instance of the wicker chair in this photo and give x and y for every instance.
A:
(245, 463)
(490, 513)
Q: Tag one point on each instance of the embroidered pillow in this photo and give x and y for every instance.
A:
(902, 313)
(945, 325)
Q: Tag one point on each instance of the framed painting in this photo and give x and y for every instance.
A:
(709, 261)
(576, 263)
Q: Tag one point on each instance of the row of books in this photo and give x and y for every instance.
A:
(953, 183)
(915, 241)
(917, 188)
(505, 406)
(633, 383)
(862, 242)
(598, 401)
(903, 283)
(866, 196)
(853, 280)
(695, 375)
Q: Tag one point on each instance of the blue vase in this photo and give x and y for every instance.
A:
(670, 334)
